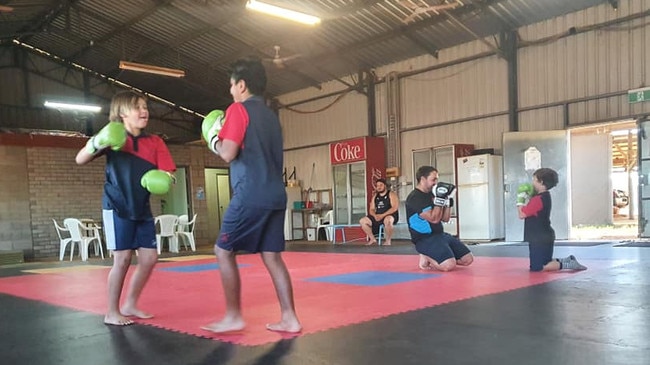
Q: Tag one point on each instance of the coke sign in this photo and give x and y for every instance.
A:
(347, 151)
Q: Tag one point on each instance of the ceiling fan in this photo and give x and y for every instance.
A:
(423, 8)
(278, 61)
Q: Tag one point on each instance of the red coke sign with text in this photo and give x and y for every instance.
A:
(352, 150)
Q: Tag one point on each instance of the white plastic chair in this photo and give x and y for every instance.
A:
(167, 223)
(186, 229)
(78, 233)
(326, 222)
(63, 241)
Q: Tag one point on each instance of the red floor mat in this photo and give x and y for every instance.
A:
(184, 301)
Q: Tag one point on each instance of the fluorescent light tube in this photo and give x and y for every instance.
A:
(77, 107)
(132, 66)
(282, 12)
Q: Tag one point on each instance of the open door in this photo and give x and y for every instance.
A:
(176, 200)
(217, 194)
(523, 153)
(643, 152)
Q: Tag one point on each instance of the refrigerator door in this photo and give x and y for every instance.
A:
(474, 208)
(341, 193)
(473, 169)
(350, 203)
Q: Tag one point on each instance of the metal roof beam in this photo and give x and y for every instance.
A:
(476, 36)
(328, 54)
(117, 28)
(426, 46)
(47, 17)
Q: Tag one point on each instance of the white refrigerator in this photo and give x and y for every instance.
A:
(480, 197)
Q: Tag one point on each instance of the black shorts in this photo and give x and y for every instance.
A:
(376, 225)
(441, 247)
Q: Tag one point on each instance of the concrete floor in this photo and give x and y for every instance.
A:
(600, 316)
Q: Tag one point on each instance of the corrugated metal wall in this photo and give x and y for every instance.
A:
(303, 160)
(591, 64)
(347, 117)
(562, 81)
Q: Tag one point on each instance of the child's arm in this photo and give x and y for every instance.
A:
(520, 208)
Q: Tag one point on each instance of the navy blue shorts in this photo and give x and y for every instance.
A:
(541, 253)
(126, 234)
(252, 229)
(441, 247)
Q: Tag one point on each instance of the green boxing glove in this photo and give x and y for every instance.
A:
(157, 181)
(113, 135)
(210, 128)
(524, 192)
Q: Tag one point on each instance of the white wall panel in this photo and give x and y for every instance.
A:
(444, 56)
(468, 89)
(591, 157)
(345, 119)
(304, 159)
(312, 92)
(542, 119)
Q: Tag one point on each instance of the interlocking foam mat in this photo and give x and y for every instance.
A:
(331, 290)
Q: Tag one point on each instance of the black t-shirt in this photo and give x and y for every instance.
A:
(416, 203)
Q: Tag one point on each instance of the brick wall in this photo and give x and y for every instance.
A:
(41, 181)
(59, 189)
(15, 230)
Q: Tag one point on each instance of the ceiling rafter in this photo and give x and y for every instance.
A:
(46, 19)
(159, 49)
(67, 65)
(117, 29)
(367, 42)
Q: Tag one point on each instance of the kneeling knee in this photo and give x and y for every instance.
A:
(467, 260)
(447, 265)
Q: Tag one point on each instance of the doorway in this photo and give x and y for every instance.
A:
(217, 195)
(176, 200)
(605, 181)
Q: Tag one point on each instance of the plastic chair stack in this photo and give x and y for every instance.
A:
(185, 231)
(167, 224)
(60, 231)
(79, 235)
(326, 222)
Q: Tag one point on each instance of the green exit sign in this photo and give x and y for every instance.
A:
(638, 95)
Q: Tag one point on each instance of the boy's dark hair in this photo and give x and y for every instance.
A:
(424, 171)
(548, 177)
(252, 72)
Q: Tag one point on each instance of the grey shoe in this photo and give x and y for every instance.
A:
(570, 263)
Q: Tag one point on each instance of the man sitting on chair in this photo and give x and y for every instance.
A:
(383, 210)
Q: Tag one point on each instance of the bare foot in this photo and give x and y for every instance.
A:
(370, 243)
(135, 312)
(285, 326)
(424, 263)
(387, 243)
(225, 326)
(117, 320)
